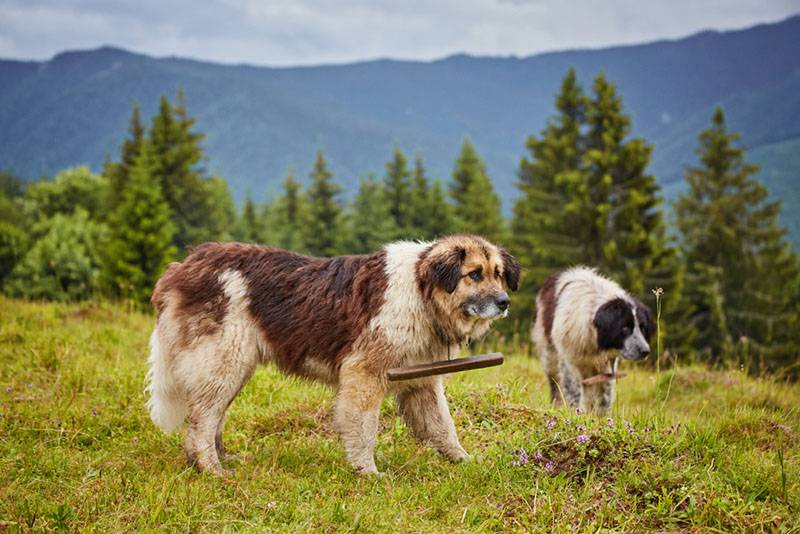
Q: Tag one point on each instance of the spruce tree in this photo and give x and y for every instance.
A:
(323, 235)
(477, 206)
(140, 246)
(370, 223)
(177, 154)
(544, 235)
(117, 172)
(289, 216)
(397, 188)
(587, 198)
(441, 220)
(249, 226)
(420, 203)
(743, 272)
(629, 234)
(431, 215)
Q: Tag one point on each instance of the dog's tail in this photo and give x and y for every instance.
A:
(167, 408)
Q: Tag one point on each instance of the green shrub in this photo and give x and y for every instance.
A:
(64, 264)
(13, 245)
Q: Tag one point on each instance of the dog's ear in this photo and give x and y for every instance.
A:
(511, 269)
(646, 322)
(445, 270)
(609, 320)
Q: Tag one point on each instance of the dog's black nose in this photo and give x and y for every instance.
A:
(502, 300)
(644, 353)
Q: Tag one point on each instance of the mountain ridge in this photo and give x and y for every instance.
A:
(260, 120)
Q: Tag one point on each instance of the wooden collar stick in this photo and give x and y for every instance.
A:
(446, 366)
(603, 377)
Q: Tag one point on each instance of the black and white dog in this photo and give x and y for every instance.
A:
(583, 321)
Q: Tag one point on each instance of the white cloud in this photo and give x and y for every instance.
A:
(287, 32)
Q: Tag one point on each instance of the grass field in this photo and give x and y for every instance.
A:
(691, 450)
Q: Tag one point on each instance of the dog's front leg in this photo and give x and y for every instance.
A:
(606, 396)
(570, 380)
(424, 409)
(355, 416)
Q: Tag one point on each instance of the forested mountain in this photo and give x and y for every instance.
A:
(75, 108)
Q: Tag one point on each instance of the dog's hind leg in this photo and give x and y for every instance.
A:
(425, 411)
(355, 415)
(218, 375)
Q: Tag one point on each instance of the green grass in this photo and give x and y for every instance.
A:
(690, 450)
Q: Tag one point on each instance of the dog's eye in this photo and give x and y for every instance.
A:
(475, 275)
(497, 273)
(626, 330)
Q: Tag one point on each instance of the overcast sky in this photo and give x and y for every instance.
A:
(290, 32)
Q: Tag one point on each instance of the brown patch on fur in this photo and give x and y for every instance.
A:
(306, 307)
(201, 299)
(546, 305)
(511, 269)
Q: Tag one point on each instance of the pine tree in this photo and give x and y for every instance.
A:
(587, 198)
(323, 234)
(743, 272)
(397, 188)
(420, 203)
(629, 234)
(289, 216)
(441, 220)
(177, 154)
(477, 206)
(544, 238)
(370, 223)
(249, 230)
(117, 172)
(431, 215)
(141, 232)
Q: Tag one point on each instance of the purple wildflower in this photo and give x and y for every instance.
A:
(581, 429)
(538, 456)
(549, 466)
(610, 422)
(582, 438)
(551, 424)
(578, 410)
(567, 422)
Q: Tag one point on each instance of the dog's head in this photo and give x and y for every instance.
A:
(467, 279)
(626, 325)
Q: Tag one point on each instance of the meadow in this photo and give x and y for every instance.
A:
(687, 449)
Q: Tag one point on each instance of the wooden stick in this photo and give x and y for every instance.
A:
(603, 377)
(446, 366)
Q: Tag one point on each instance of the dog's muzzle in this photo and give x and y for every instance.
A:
(493, 306)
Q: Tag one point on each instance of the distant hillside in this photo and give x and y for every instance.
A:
(74, 108)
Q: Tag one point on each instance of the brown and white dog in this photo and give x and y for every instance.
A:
(344, 321)
(583, 321)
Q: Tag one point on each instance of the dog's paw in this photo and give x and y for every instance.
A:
(370, 471)
(458, 455)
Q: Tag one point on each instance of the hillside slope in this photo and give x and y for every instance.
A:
(691, 451)
(74, 108)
